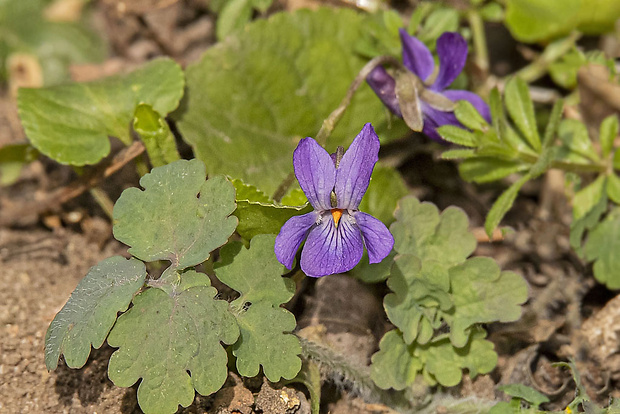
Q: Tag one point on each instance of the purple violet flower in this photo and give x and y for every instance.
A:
(335, 232)
(452, 52)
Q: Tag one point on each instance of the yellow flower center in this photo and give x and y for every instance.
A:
(336, 214)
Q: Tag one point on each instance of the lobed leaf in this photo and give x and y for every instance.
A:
(71, 123)
(178, 216)
(156, 135)
(421, 231)
(482, 293)
(264, 339)
(90, 312)
(172, 342)
(239, 116)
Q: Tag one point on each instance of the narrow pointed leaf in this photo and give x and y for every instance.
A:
(608, 133)
(521, 110)
(503, 204)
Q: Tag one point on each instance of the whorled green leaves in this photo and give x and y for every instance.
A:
(71, 123)
(239, 115)
(265, 326)
(435, 284)
(173, 343)
(91, 310)
(178, 216)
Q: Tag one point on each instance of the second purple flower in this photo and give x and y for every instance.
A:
(452, 53)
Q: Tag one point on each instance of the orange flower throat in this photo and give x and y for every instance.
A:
(336, 214)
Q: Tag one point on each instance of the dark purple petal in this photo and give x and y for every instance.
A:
(291, 235)
(416, 56)
(478, 103)
(353, 174)
(452, 52)
(385, 87)
(433, 119)
(315, 172)
(332, 249)
(377, 237)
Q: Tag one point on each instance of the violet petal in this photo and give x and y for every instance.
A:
(416, 56)
(353, 174)
(315, 172)
(377, 238)
(384, 86)
(291, 235)
(332, 249)
(478, 103)
(452, 52)
(433, 119)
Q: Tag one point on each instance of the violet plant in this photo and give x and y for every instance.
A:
(237, 201)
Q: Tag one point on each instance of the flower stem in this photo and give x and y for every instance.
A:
(332, 120)
(481, 57)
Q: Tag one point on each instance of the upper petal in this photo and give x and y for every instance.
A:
(332, 249)
(377, 238)
(452, 52)
(416, 56)
(478, 103)
(385, 87)
(291, 235)
(315, 172)
(353, 173)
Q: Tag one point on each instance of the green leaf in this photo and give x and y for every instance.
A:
(12, 159)
(156, 135)
(234, 15)
(524, 393)
(265, 339)
(469, 116)
(90, 312)
(163, 338)
(394, 365)
(486, 169)
(420, 290)
(521, 110)
(421, 231)
(375, 272)
(564, 71)
(71, 123)
(386, 188)
(257, 214)
(536, 20)
(457, 154)
(438, 22)
(608, 133)
(457, 135)
(574, 136)
(397, 364)
(254, 96)
(613, 188)
(482, 293)
(588, 197)
(492, 12)
(586, 222)
(178, 216)
(602, 247)
(503, 203)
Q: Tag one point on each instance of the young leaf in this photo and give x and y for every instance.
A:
(588, 197)
(394, 365)
(156, 135)
(12, 159)
(421, 231)
(486, 169)
(165, 338)
(257, 214)
(71, 123)
(521, 110)
(420, 291)
(524, 393)
(602, 246)
(482, 293)
(386, 188)
(469, 116)
(503, 204)
(90, 312)
(252, 97)
(574, 137)
(178, 216)
(264, 325)
(457, 135)
(608, 133)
